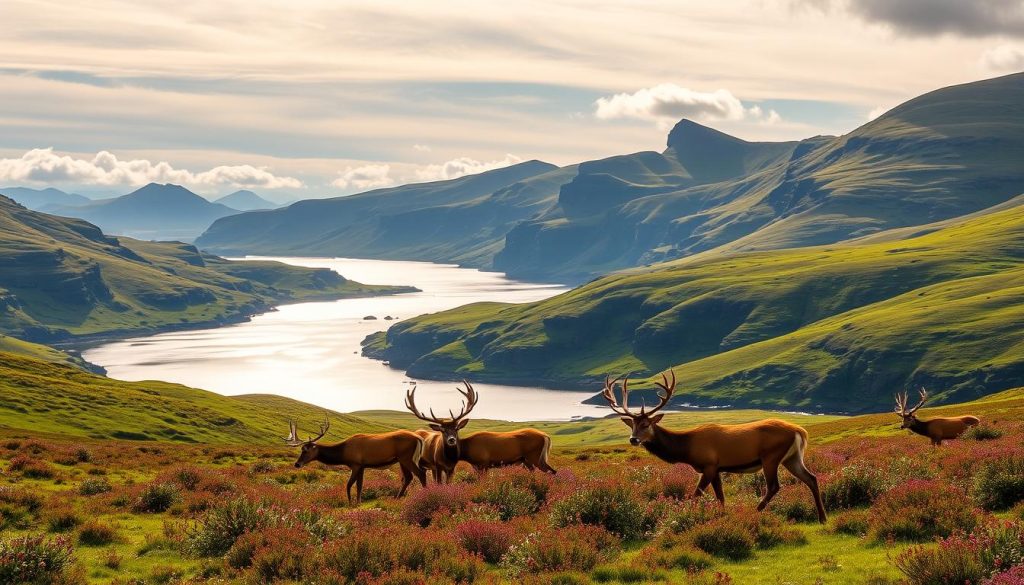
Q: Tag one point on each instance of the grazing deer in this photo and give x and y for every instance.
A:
(712, 448)
(483, 450)
(441, 444)
(359, 452)
(937, 429)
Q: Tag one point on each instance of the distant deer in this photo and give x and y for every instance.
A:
(359, 452)
(937, 429)
(482, 450)
(441, 444)
(712, 448)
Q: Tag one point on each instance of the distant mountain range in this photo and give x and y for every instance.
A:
(154, 212)
(62, 278)
(462, 220)
(246, 201)
(41, 199)
(950, 152)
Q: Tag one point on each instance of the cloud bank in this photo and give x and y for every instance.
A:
(670, 101)
(967, 18)
(1003, 59)
(462, 166)
(364, 177)
(44, 166)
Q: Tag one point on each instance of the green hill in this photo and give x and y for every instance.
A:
(63, 278)
(461, 220)
(48, 398)
(818, 328)
(945, 154)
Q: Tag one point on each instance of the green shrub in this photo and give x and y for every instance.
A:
(218, 529)
(92, 486)
(156, 498)
(96, 533)
(510, 500)
(964, 558)
(613, 507)
(852, 522)
(574, 548)
(999, 483)
(724, 538)
(982, 432)
(852, 487)
(61, 518)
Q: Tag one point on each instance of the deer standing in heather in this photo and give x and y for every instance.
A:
(482, 450)
(937, 429)
(363, 451)
(712, 449)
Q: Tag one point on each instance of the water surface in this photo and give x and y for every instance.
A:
(310, 351)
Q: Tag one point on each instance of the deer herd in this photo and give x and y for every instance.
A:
(711, 449)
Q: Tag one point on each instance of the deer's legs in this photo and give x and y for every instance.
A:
(705, 479)
(359, 486)
(716, 484)
(796, 466)
(771, 479)
(351, 482)
(406, 479)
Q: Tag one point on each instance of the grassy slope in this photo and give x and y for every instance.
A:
(41, 397)
(811, 328)
(63, 277)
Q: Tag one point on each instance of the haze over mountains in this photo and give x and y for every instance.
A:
(944, 154)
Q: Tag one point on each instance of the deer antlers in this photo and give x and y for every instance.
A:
(622, 408)
(470, 401)
(293, 439)
(901, 403)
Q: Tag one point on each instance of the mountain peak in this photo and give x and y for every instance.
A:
(687, 133)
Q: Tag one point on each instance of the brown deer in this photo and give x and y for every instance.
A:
(482, 450)
(937, 429)
(359, 452)
(441, 444)
(712, 448)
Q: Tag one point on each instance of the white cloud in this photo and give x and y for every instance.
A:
(458, 167)
(371, 176)
(421, 147)
(877, 111)
(1003, 58)
(670, 101)
(44, 166)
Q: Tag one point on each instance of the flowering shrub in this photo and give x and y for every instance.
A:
(920, 510)
(34, 559)
(668, 551)
(965, 558)
(691, 513)
(421, 507)
(999, 483)
(508, 499)
(1014, 576)
(61, 518)
(794, 504)
(31, 468)
(611, 506)
(380, 550)
(489, 540)
(221, 525)
(852, 522)
(573, 548)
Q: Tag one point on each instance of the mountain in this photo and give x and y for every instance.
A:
(154, 212)
(62, 278)
(39, 199)
(823, 328)
(944, 154)
(461, 220)
(246, 201)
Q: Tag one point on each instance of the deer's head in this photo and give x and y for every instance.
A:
(909, 417)
(642, 423)
(448, 427)
(309, 449)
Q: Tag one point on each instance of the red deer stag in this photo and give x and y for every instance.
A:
(441, 445)
(712, 448)
(937, 429)
(482, 450)
(359, 452)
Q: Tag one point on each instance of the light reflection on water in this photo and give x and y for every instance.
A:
(310, 351)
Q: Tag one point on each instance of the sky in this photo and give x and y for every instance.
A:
(320, 98)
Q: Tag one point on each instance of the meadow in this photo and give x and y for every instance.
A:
(80, 510)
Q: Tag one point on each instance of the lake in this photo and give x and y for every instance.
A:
(310, 351)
